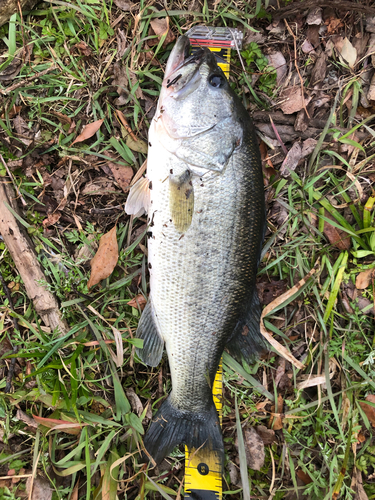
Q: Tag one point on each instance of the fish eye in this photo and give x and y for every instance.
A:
(216, 81)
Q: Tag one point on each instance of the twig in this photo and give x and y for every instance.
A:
(28, 80)
(13, 181)
(16, 327)
(22, 252)
(296, 66)
(124, 121)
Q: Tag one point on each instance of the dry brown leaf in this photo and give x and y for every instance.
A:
(333, 25)
(12, 112)
(280, 371)
(134, 400)
(277, 60)
(254, 448)
(51, 219)
(369, 410)
(304, 477)
(88, 131)
(364, 278)
(276, 421)
(293, 100)
(161, 27)
(126, 5)
(267, 435)
(105, 260)
(41, 488)
(306, 47)
(291, 161)
(314, 16)
(83, 48)
(99, 186)
(139, 300)
(25, 134)
(123, 175)
(338, 238)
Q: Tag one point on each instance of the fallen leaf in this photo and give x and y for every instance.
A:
(12, 112)
(304, 477)
(88, 131)
(83, 48)
(139, 300)
(276, 421)
(41, 488)
(291, 161)
(292, 100)
(20, 415)
(338, 238)
(364, 278)
(134, 400)
(319, 71)
(161, 27)
(25, 134)
(105, 260)
(333, 25)
(123, 174)
(254, 448)
(51, 219)
(314, 16)
(364, 305)
(99, 186)
(347, 53)
(280, 370)
(277, 60)
(139, 145)
(306, 47)
(369, 410)
(267, 435)
(125, 5)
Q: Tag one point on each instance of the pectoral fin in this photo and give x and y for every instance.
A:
(181, 200)
(148, 330)
(138, 201)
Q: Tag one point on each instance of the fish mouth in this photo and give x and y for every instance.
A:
(182, 71)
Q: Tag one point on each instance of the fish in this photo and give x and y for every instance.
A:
(204, 197)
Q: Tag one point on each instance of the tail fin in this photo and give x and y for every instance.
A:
(171, 427)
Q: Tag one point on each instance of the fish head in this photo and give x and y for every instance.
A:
(195, 99)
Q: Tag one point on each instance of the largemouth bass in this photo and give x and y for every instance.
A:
(204, 197)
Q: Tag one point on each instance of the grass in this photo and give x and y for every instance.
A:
(104, 408)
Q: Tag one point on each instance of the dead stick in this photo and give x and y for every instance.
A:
(16, 327)
(28, 80)
(22, 252)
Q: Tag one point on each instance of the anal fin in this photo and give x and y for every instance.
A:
(153, 343)
(246, 341)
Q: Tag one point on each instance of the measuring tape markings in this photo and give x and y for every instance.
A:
(204, 470)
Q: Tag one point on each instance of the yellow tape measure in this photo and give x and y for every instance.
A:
(203, 470)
